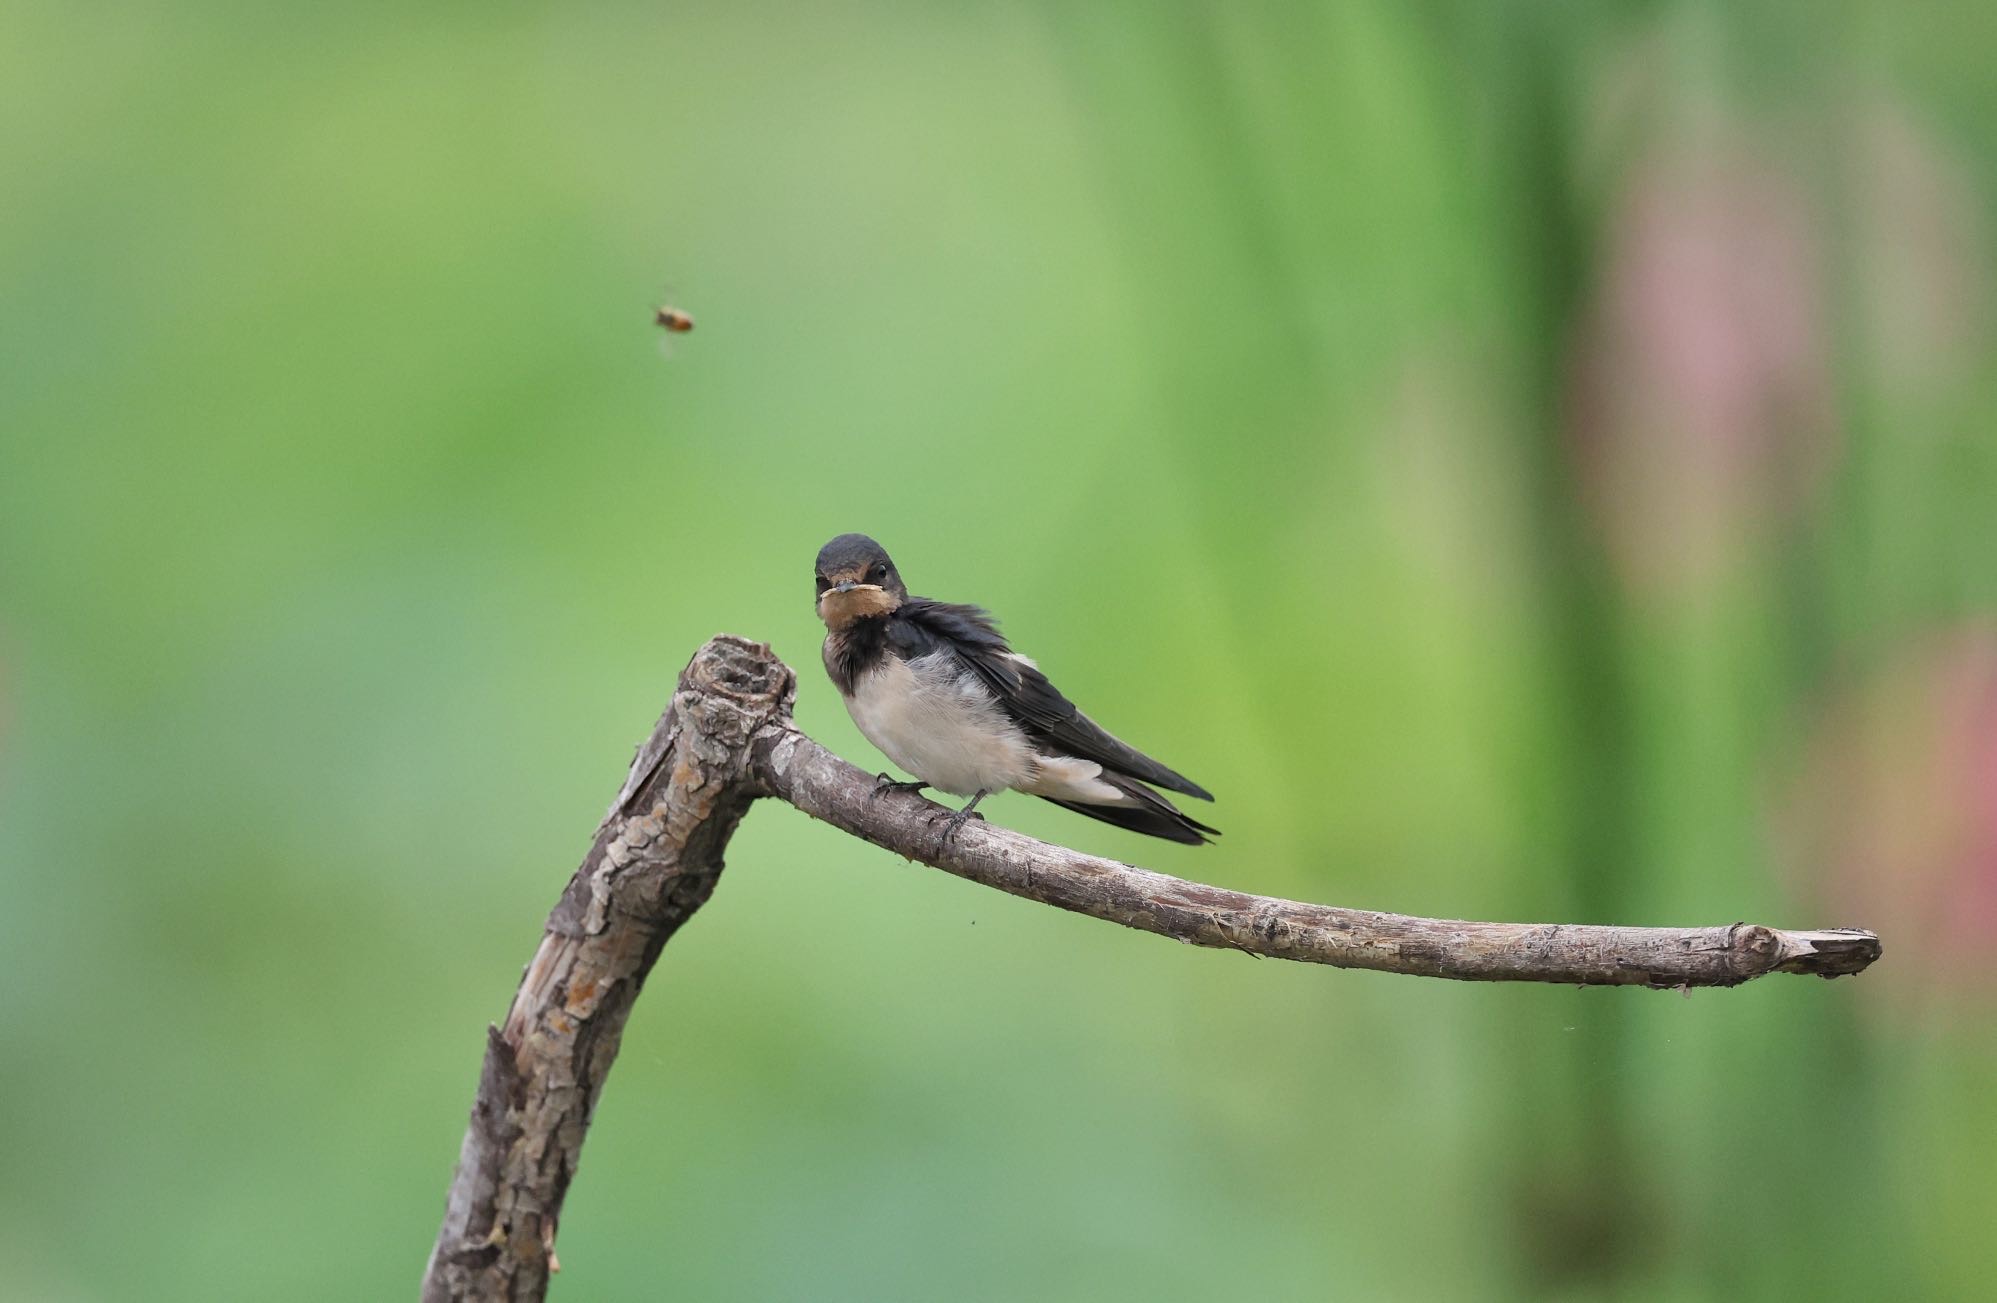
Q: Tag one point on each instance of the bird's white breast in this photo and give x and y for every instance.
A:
(940, 724)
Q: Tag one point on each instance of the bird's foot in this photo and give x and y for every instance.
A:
(959, 819)
(882, 783)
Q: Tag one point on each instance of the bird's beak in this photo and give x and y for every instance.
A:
(850, 600)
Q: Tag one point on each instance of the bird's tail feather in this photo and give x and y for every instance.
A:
(1142, 810)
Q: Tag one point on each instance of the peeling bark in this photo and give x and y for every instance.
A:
(726, 739)
(656, 858)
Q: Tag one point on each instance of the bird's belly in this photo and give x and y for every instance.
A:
(940, 725)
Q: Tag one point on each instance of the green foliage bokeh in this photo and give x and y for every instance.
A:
(352, 527)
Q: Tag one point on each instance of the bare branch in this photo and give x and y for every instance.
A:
(726, 739)
(798, 770)
(655, 861)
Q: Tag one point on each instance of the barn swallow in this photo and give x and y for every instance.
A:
(935, 686)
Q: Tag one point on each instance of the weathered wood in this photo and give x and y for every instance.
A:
(798, 770)
(728, 738)
(655, 860)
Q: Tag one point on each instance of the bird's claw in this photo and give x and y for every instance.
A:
(882, 783)
(955, 822)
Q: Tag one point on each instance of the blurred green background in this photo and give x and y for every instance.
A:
(1533, 461)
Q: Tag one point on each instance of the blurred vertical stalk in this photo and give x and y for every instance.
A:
(1225, 322)
(1580, 1193)
(1265, 229)
(1245, 151)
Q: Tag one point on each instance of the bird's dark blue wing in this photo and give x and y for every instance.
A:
(922, 625)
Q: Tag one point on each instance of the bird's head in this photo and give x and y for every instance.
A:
(856, 581)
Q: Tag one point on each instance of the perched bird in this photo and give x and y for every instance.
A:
(936, 688)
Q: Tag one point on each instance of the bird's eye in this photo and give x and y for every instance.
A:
(823, 583)
(880, 574)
